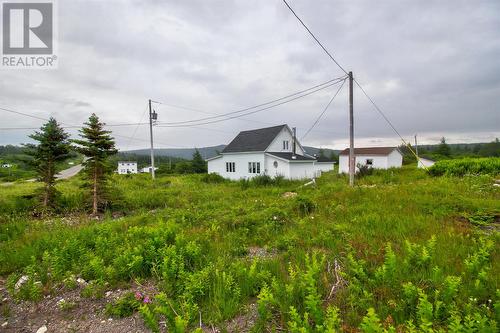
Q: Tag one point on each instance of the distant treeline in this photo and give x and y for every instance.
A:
(166, 164)
(443, 151)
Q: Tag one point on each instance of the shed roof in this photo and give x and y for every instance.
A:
(383, 151)
(253, 140)
(289, 156)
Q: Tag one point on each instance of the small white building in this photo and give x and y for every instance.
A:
(146, 169)
(425, 163)
(127, 167)
(376, 157)
(272, 151)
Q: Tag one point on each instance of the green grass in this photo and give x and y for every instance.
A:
(466, 166)
(404, 243)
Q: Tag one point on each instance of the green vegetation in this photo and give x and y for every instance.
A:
(96, 145)
(443, 151)
(52, 146)
(466, 166)
(401, 251)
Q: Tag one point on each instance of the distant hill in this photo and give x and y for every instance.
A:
(207, 152)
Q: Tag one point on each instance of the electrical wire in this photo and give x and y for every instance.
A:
(247, 113)
(357, 83)
(301, 93)
(323, 112)
(316, 39)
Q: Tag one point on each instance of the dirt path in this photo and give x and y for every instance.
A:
(83, 315)
(70, 172)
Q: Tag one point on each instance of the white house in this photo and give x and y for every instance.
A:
(425, 162)
(272, 151)
(127, 167)
(376, 157)
(146, 169)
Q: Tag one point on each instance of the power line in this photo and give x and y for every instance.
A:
(357, 83)
(312, 35)
(304, 93)
(135, 130)
(175, 124)
(322, 113)
(24, 114)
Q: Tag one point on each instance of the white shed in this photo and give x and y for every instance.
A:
(375, 157)
(127, 167)
(146, 169)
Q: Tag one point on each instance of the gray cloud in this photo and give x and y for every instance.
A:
(433, 67)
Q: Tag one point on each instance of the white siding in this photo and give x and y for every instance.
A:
(282, 168)
(299, 170)
(277, 144)
(240, 160)
(127, 168)
(393, 160)
(324, 166)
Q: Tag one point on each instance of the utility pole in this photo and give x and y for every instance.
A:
(416, 149)
(152, 116)
(351, 132)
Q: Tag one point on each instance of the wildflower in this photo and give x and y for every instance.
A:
(146, 300)
(138, 296)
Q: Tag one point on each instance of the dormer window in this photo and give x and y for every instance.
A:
(285, 145)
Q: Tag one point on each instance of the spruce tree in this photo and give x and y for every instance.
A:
(53, 146)
(443, 149)
(97, 145)
(198, 163)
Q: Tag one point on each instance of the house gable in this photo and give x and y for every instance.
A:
(285, 135)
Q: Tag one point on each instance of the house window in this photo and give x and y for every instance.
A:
(285, 145)
(369, 162)
(230, 167)
(253, 167)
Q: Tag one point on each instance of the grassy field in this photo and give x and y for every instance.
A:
(401, 251)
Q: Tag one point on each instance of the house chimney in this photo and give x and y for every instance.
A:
(294, 141)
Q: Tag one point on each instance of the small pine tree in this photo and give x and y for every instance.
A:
(198, 163)
(53, 146)
(443, 148)
(97, 145)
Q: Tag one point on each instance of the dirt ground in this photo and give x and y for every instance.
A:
(84, 314)
(88, 314)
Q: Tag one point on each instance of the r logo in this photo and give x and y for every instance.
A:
(27, 28)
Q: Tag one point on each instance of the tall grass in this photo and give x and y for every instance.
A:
(407, 256)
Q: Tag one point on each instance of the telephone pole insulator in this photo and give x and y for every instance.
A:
(152, 116)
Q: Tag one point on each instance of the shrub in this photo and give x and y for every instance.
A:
(262, 180)
(364, 170)
(125, 306)
(466, 166)
(212, 178)
(304, 205)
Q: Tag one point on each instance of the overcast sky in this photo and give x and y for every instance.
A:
(432, 66)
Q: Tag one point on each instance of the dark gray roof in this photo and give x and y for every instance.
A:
(288, 156)
(369, 151)
(254, 140)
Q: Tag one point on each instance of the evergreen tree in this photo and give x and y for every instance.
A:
(443, 148)
(97, 145)
(321, 154)
(53, 146)
(198, 163)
